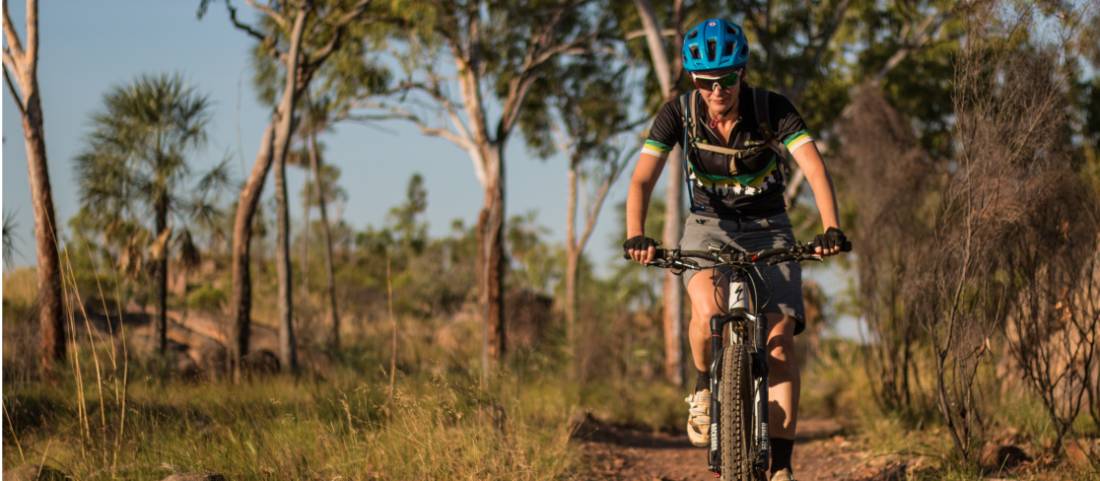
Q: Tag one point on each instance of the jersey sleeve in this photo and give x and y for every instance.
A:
(666, 131)
(788, 124)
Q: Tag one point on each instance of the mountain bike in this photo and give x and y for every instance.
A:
(739, 449)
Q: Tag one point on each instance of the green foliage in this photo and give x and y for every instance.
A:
(536, 264)
(588, 98)
(512, 47)
(207, 298)
(133, 173)
(405, 219)
(9, 241)
(348, 73)
(329, 183)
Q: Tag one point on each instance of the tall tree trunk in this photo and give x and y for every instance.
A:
(24, 64)
(273, 148)
(673, 291)
(572, 252)
(303, 256)
(491, 261)
(51, 323)
(161, 223)
(656, 45)
(333, 313)
(242, 246)
(288, 356)
(575, 247)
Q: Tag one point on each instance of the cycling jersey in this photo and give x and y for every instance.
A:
(742, 178)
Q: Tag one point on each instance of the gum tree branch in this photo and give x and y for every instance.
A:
(11, 88)
(11, 36)
(270, 12)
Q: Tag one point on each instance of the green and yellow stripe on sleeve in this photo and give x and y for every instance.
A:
(796, 140)
(655, 148)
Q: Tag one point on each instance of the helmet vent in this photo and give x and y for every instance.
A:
(714, 44)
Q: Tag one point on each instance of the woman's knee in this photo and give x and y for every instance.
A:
(781, 345)
(701, 292)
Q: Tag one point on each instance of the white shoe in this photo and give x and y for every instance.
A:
(783, 475)
(698, 424)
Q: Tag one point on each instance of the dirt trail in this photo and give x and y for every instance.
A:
(822, 452)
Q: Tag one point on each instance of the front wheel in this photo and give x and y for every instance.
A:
(735, 401)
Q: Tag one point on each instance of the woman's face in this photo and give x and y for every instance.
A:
(719, 98)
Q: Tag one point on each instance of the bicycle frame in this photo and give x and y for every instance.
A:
(743, 324)
(741, 319)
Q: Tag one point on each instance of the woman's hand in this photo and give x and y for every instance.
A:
(832, 242)
(640, 249)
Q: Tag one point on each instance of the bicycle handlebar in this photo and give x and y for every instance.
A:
(676, 258)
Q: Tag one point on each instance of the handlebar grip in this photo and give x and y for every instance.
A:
(846, 246)
(661, 253)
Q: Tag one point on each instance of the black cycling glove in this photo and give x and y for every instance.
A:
(638, 242)
(832, 237)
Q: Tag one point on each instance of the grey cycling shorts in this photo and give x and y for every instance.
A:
(783, 281)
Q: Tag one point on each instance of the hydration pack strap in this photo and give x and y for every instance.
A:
(691, 130)
(687, 109)
(763, 119)
(719, 149)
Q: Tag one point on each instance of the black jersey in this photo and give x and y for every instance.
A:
(749, 184)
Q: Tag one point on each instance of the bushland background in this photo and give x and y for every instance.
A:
(188, 315)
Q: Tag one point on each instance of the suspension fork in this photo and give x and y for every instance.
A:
(760, 368)
(714, 456)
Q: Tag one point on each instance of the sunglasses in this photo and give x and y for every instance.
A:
(708, 83)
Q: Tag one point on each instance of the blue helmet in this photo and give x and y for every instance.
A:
(715, 44)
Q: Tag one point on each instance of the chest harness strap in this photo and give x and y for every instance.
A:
(694, 140)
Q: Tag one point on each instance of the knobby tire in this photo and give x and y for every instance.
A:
(735, 400)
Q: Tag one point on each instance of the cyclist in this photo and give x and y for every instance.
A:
(734, 138)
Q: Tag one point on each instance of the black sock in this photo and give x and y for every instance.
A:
(703, 381)
(781, 453)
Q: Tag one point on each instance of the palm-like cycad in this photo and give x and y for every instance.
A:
(134, 167)
(9, 243)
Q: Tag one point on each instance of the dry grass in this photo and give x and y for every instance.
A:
(281, 428)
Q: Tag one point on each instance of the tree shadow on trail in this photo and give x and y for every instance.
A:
(591, 429)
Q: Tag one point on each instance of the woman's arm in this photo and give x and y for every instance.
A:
(646, 173)
(809, 160)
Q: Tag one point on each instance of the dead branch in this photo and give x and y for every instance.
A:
(244, 27)
(14, 95)
(11, 36)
